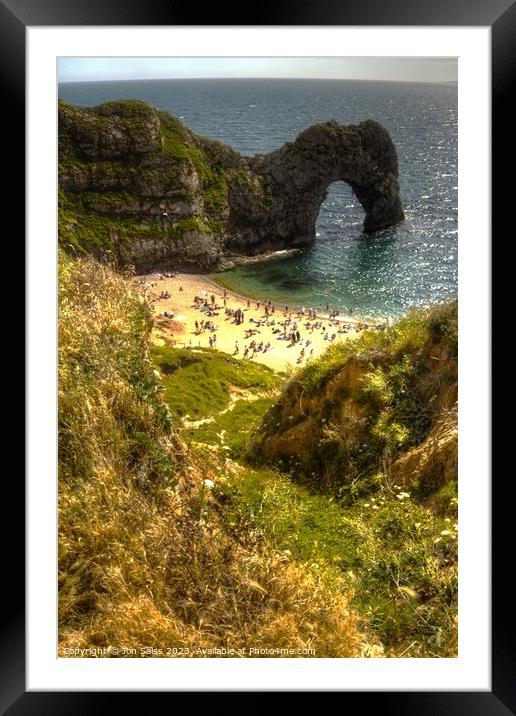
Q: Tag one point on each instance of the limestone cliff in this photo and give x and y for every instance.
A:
(137, 186)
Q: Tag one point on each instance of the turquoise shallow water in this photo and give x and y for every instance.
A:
(362, 275)
(381, 275)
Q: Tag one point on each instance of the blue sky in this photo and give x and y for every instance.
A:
(419, 69)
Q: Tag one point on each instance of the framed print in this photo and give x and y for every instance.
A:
(249, 479)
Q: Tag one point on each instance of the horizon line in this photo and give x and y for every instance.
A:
(329, 79)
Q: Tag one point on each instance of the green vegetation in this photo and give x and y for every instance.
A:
(92, 230)
(100, 220)
(87, 119)
(183, 226)
(208, 502)
(105, 232)
(108, 393)
(107, 200)
(144, 558)
(395, 555)
(215, 192)
(243, 179)
(398, 385)
(175, 137)
(180, 146)
(392, 545)
(408, 335)
(133, 115)
(198, 382)
(168, 536)
(233, 428)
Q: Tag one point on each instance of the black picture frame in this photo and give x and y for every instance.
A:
(500, 16)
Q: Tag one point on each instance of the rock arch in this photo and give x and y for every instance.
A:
(138, 185)
(299, 173)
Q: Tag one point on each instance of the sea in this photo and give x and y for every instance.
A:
(381, 275)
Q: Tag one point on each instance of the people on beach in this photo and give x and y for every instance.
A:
(254, 332)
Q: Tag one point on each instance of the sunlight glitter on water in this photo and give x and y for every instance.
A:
(412, 264)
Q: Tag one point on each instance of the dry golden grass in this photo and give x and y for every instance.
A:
(144, 560)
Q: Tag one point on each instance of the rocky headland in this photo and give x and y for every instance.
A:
(136, 186)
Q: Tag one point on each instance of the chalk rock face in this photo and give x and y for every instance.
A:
(138, 187)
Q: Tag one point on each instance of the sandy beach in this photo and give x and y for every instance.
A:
(261, 335)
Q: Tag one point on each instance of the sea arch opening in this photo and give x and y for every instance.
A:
(340, 212)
